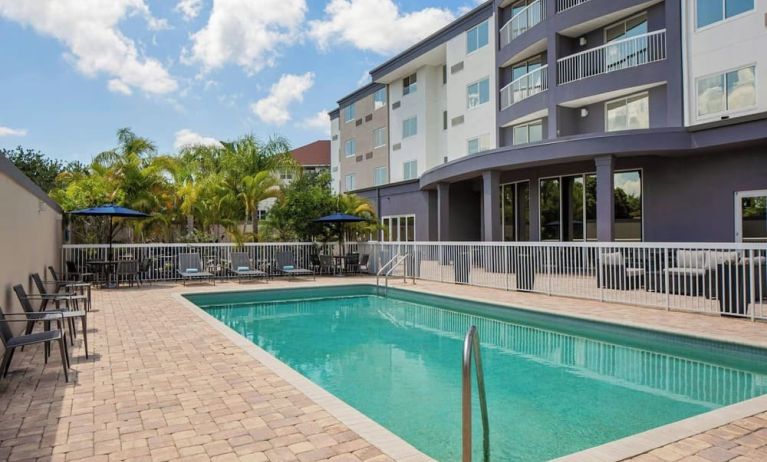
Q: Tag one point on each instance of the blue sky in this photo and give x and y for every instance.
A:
(191, 71)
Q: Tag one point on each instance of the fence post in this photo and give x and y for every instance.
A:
(548, 269)
(751, 281)
(505, 256)
(439, 262)
(600, 275)
(666, 278)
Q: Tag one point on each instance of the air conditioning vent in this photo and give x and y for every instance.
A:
(456, 121)
(368, 117)
(369, 155)
(359, 158)
(455, 68)
(397, 147)
(358, 122)
(396, 105)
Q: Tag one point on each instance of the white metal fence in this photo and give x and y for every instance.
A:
(522, 21)
(158, 262)
(704, 278)
(530, 84)
(563, 5)
(613, 56)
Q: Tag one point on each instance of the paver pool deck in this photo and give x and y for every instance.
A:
(163, 383)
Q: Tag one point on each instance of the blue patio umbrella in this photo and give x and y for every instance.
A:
(111, 211)
(339, 219)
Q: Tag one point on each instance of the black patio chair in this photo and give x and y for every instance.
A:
(190, 268)
(76, 274)
(62, 285)
(242, 268)
(70, 300)
(11, 342)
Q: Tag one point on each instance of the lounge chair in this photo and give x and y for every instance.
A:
(70, 316)
(616, 275)
(190, 268)
(242, 267)
(11, 342)
(286, 264)
(695, 271)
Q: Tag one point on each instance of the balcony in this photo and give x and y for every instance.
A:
(522, 21)
(563, 5)
(614, 56)
(530, 84)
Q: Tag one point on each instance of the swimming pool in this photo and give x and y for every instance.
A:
(555, 385)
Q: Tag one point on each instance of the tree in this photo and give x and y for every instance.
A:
(305, 198)
(39, 168)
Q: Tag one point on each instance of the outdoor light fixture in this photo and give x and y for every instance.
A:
(582, 41)
(584, 112)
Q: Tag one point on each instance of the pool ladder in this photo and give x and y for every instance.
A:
(387, 269)
(471, 345)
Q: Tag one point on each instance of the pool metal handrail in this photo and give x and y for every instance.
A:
(387, 269)
(471, 345)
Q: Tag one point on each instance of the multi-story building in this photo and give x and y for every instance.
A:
(611, 120)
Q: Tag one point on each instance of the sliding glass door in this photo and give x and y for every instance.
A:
(515, 211)
(568, 208)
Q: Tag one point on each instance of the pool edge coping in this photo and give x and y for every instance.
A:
(616, 450)
(376, 434)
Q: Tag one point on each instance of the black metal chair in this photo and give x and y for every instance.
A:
(11, 342)
(76, 274)
(62, 285)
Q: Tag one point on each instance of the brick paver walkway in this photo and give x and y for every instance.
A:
(162, 384)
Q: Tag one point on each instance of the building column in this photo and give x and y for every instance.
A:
(491, 206)
(443, 211)
(605, 198)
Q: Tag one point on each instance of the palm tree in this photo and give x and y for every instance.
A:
(256, 189)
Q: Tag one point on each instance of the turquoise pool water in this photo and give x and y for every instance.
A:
(554, 385)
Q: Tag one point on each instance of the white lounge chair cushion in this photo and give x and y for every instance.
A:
(686, 271)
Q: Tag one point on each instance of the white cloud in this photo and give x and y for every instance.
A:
(189, 8)
(246, 32)
(8, 131)
(319, 122)
(365, 79)
(375, 25)
(186, 138)
(289, 89)
(89, 29)
(118, 86)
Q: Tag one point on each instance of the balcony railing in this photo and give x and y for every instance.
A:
(614, 56)
(530, 84)
(563, 5)
(522, 21)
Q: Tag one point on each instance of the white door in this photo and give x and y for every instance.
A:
(751, 216)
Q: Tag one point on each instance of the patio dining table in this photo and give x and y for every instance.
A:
(107, 270)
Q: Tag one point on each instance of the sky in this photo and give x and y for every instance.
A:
(183, 72)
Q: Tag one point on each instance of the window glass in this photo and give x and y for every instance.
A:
(754, 218)
(379, 137)
(410, 170)
(478, 93)
(709, 12)
(410, 235)
(535, 132)
(409, 127)
(349, 113)
(350, 182)
(574, 204)
(741, 89)
(477, 37)
(528, 133)
(350, 147)
(474, 146)
(550, 209)
(711, 95)
(591, 207)
(736, 7)
(409, 84)
(444, 120)
(380, 176)
(385, 232)
(508, 207)
(379, 98)
(628, 205)
(520, 135)
(628, 113)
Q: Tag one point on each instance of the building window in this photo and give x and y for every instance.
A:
(350, 147)
(444, 120)
(568, 207)
(477, 37)
(286, 175)
(515, 211)
(478, 144)
(628, 205)
(379, 137)
(712, 11)
(350, 182)
(409, 127)
(381, 176)
(409, 84)
(398, 228)
(444, 75)
(531, 132)
(349, 113)
(410, 170)
(379, 98)
(631, 113)
(622, 56)
(631, 27)
(478, 93)
(730, 91)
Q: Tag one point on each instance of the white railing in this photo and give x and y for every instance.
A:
(563, 5)
(530, 84)
(703, 278)
(531, 15)
(614, 56)
(158, 262)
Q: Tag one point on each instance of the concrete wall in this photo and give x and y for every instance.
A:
(406, 199)
(335, 154)
(368, 157)
(30, 233)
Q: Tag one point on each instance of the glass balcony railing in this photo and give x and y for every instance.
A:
(614, 56)
(530, 84)
(522, 21)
